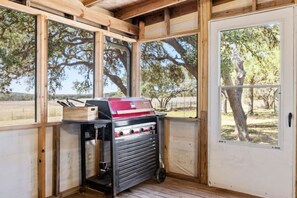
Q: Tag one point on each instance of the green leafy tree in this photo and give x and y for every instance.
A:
(248, 56)
(69, 49)
(169, 68)
(117, 58)
(17, 49)
(164, 86)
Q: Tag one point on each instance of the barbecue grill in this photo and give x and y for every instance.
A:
(132, 133)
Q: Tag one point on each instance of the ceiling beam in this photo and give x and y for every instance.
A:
(89, 3)
(175, 11)
(76, 8)
(219, 2)
(144, 7)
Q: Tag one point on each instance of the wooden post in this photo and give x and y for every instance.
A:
(141, 30)
(204, 9)
(166, 144)
(56, 160)
(254, 5)
(167, 21)
(99, 64)
(99, 84)
(42, 47)
(136, 55)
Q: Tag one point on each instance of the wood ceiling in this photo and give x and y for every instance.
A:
(124, 16)
(127, 9)
(111, 5)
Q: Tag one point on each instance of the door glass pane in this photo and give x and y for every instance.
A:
(250, 82)
(260, 118)
(250, 56)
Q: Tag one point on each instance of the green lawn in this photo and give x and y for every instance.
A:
(262, 127)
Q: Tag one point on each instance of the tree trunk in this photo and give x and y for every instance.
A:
(225, 105)
(235, 95)
(238, 112)
(225, 102)
(251, 101)
(251, 97)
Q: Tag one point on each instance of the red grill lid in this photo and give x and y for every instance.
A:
(130, 107)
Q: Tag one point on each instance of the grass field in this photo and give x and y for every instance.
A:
(262, 126)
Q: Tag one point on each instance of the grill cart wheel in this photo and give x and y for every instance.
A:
(160, 175)
(82, 190)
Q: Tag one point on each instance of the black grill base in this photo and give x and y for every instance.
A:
(136, 160)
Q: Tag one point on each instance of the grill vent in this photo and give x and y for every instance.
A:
(136, 160)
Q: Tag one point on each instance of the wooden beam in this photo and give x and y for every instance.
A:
(101, 10)
(175, 11)
(141, 30)
(34, 5)
(182, 177)
(41, 162)
(56, 161)
(89, 3)
(254, 5)
(136, 56)
(203, 148)
(166, 143)
(219, 2)
(205, 16)
(272, 4)
(237, 7)
(233, 12)
(231, 5)
(42, 46)
(180, 34)
(76, 8)
(199, 91)
(144, 7)
(33, 11)
(19, 127)
(167, 21)
(99, 64)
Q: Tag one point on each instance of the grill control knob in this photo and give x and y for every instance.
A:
(121, 133)
(131, 131)
(141, 130)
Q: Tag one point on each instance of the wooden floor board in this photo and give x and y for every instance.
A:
(171, 188)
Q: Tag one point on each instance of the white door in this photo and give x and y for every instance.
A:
(251, 103)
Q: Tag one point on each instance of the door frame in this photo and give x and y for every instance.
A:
(217, 74)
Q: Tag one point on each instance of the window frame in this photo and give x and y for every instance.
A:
(198, 96)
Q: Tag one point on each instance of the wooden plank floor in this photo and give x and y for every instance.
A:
(171, 188)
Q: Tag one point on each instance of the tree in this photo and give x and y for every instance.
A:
(69, 49)
(169, 68)
(17, 49)
(248, 55)
(117, 58)
(164, 86)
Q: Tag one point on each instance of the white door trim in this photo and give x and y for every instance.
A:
(230, 170)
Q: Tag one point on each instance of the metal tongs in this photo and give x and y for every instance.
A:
(71, 104)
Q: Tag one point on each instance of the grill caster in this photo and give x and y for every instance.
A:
(82, 190)
(160, 175)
